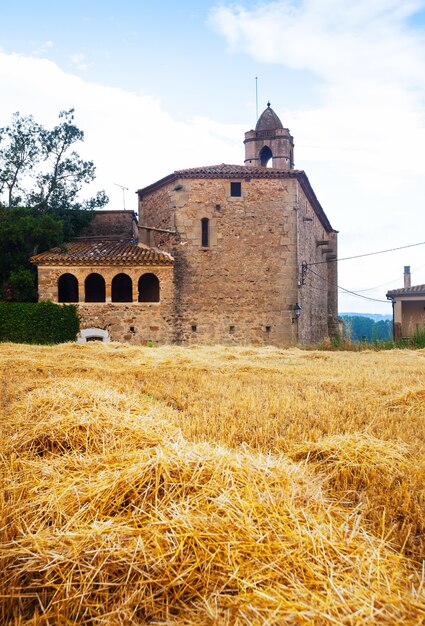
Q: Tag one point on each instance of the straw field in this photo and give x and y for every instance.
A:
(211, 485)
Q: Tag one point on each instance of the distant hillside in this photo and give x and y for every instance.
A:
(376, 317)
(367, 327)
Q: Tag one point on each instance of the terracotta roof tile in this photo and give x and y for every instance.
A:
(234, 171)
(103, 252)
(223, 170)
(416, 290)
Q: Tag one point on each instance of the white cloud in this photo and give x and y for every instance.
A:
(43, 48)
(78, 61)
(363, 146)
(130, 138)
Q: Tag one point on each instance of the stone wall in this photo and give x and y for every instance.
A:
(134, 322)
(157, 208)
(243, 286)
(318, 282)
(111, 224)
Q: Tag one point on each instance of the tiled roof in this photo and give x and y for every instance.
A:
(245, 172)
(416, 290)
(103, 252)
(223, 170)
(234, 171)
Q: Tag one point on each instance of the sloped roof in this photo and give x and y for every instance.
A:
(416, 290)
(268, 120)
(103, 252)
(246, 172)
(232, 171)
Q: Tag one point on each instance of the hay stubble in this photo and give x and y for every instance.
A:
(211, 486)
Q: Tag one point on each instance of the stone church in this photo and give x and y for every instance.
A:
(216, 254)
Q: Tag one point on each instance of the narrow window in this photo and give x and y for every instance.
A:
(67, 288)
(231, 329)
(236, 190)
(194, 328)
(94, 287)
(268, 329)
(122, 288)
(148, 288)
(205, 232)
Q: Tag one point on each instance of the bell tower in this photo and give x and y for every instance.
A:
(269, 141)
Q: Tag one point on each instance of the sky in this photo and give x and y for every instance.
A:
(161, 86)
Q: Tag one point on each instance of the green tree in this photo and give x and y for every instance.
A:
(22, 234)
(59, 183)
(20, 152)
(41, 179)
(383, 330)
(360, 328)
(40, 168)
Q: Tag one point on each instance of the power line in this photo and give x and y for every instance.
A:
(359, 256)
(353, 293)
(389, 282)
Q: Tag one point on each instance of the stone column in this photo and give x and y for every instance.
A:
(108, 290)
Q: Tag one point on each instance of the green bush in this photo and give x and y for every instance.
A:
(41, 323)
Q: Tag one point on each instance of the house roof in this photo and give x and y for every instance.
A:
(103, 252)
(416, 290)
(245, 172)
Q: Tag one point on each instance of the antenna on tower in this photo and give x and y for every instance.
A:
(123, 189)
(256, 97)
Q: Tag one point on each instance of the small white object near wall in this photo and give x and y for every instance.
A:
(93, 334)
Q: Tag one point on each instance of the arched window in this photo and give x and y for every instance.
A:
(148, 288)
(122, 288)
(94, 287)
(67, 288)
(205, 232)
(265, 155)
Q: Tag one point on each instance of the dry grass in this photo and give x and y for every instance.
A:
(211, 486)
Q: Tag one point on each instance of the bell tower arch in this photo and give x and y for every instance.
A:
(269, 142)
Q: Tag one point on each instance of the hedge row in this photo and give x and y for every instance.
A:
(41, 322)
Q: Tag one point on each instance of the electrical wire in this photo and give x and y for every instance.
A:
(353, 293)
(359, 256)
(390, 282)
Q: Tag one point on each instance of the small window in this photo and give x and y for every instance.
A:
(236, 190)
(231, 329)
(268, 329)
(194, 328)
(205, 232)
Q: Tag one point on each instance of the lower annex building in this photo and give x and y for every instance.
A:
(216, 254)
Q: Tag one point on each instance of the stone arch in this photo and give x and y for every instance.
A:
(94, 288)
(67, 288)
(265, 155)
(122, 288)
(149, 288)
